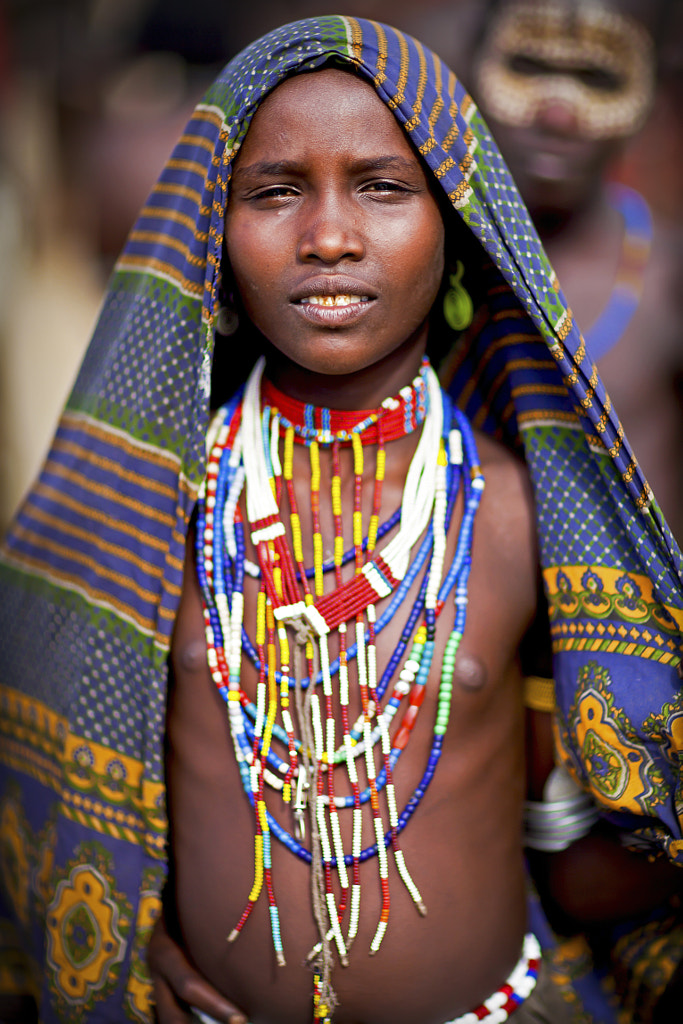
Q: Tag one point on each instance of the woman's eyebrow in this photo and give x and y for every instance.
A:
(267, 168)
(385, 162)
(275, 168)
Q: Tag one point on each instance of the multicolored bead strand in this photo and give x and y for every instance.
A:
(518, 987)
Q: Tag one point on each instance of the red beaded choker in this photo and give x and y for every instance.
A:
(399, 415)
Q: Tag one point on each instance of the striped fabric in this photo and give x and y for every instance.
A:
(91, 569)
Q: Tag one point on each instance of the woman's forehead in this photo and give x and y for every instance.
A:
(338, 89)
(324, 102)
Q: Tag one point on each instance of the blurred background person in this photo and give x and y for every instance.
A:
(566, 86)
(583, 99)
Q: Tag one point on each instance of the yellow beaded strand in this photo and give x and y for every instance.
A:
(314, 454)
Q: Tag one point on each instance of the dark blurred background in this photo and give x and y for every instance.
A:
(93, 94)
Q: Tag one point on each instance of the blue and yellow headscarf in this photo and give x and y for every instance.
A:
(91, 570)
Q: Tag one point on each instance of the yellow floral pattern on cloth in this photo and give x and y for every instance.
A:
(620, 772)
(108, 787)
(87, 921)
(601, 609)
(15, 853)
(87, 925)
(666, 728)
(45, 864)
(19, 974)
(99, 787)
(138, 999)
(566, 962)
(642, 963)
(26, 858)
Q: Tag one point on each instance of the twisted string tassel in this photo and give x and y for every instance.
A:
(324, 996)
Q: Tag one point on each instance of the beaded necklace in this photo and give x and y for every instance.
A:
(296, 696)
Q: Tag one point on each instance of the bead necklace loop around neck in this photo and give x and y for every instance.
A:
(399, 415)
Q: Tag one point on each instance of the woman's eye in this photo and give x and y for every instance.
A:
(275, 192)
(387, 187)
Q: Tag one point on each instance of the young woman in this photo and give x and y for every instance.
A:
(350, 589)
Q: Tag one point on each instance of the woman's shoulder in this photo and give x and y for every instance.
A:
(507, 508)
(503, 469)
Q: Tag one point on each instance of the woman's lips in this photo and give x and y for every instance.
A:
(333, 310)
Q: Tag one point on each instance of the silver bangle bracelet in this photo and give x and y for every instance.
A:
(554, 824)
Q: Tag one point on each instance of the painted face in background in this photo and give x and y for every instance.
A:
(563, 83)
(335, 240)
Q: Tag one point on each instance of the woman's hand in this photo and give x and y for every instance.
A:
(178, 986)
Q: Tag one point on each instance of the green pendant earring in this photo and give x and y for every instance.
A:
(458, 309)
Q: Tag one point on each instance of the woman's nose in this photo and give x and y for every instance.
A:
(331, 232)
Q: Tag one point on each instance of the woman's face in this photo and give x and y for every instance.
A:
(335, 241)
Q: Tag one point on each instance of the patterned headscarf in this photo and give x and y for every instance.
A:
(91, 570)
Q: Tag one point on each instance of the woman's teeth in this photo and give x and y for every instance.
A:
(334, 300)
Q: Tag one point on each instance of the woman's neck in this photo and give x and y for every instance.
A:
(367, 388)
